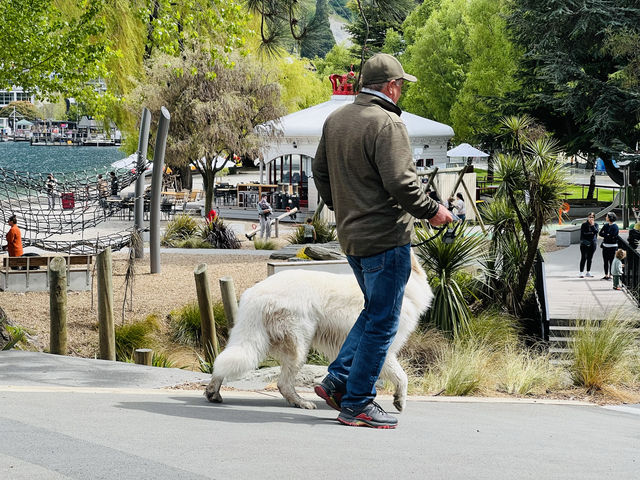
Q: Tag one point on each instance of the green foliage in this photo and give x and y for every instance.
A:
(180, 228)
(264, 244)
(214, 108)
(134, 335)
(320, 39)
(494, 329)
(572, 79)
(219, 235)
(338, 60)
(601, 353)
(162, 360)
(17, 335)
(324, 232)
(50, 46)
(192, 242)
(300, 87)
(460, 369)
(186, 327)
(317, 358)
(464, 61)
(24, 109)
(523, 372)
(449, 310)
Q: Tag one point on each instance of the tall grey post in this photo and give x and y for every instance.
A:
(143, 142)
(156, 188)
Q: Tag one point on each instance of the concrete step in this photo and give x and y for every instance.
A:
(562, 339)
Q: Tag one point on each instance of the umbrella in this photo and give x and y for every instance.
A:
(466, 150)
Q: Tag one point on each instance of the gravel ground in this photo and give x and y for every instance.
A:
(154, 294)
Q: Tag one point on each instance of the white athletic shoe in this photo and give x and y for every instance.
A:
(588, 275)
(581, 275)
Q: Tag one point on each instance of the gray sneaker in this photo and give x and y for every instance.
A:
(588, 274)
(371, 415)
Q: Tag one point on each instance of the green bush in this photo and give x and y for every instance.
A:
(523, 372)
(17, 335)
(324, 232)
(495, 329)
(192, 242)
(185, 326)
(264, 244)
(134, 335)
(602, 352)
(180, 228)
(162, 360)
(219, 235)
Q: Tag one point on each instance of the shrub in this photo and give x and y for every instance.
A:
(324, 232)
(219, 235)
(421, 350)
(523, 372)
(192, 242)
(601, 353)
(162, 360)
(494, 329)
(134, 335)
(180, 228)
(185, 324)
(264, 244)
(17, 335)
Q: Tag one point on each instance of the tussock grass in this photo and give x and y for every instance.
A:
(494, 329)
(180, 228)
(134, 335)
(523, 372)
(186, 329)
(264, 244)
(324, 232)
(604, 353)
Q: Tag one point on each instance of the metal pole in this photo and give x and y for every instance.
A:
(143, 142)
(156, 188)
(625, 203)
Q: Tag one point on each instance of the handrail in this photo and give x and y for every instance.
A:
(541, 294)
(631, 274)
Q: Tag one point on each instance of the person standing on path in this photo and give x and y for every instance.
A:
(309, 231)
(609, 232)
(458, 204)
(616, 268)
(264, 214)
(588, 243)
(51, 190)
(14, 239)
(114, 184)
(364, 171)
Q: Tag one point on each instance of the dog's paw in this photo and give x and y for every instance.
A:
(399, 403)
(304, 404)
(213, 397)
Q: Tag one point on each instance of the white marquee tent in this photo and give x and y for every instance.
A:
(300, 134)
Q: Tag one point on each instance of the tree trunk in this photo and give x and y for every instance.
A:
(490, 167)
(525, 271)
(591, 164)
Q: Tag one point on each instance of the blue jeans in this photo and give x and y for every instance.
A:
(382, 279)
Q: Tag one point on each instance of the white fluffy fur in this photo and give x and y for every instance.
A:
(293, 311)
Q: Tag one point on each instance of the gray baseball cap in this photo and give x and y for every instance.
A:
(383, 67)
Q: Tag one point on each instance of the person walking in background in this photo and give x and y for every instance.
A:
(51, 190)
(616, 268)
(264, 214)
(103, 191)
(309, 232)
(366, 174)
(14, 238)
(609, 232)
(634, 235)
(458, 204)
(114, 184)
(588, 243)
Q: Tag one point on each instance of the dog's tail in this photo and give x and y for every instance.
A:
(248, 342)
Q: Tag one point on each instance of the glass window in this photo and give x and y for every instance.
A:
(6, 98)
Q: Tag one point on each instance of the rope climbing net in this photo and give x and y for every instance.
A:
(53, 213)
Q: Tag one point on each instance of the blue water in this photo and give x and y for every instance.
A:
(23, 157)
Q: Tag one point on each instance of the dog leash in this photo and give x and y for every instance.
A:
(449, 235)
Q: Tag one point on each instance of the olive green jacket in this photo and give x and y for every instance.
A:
(364, 171)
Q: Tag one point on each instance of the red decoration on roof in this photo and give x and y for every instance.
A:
(343, 84)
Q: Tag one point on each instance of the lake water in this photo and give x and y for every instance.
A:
(23, 157)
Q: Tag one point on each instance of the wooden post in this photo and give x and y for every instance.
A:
(58, 306)
(229, 301)
(475, 209)
(106, 330)
(277, 222)
(143, 356)
(207, 322)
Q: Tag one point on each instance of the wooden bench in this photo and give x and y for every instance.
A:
(31, 274)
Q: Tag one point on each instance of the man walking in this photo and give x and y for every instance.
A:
(364, 171)
(264, 215)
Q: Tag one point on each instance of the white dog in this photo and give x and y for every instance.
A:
(293, 311)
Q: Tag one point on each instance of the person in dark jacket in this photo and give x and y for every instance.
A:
(609, 232)
(588, 243)
(634, 236)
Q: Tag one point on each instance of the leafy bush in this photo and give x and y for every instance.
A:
(264, 244)
(324, 232)
(180, 228)
(601, 353)
(17, 335)
(219, 235)
(134, 335)
(192, 242)
(162, 360)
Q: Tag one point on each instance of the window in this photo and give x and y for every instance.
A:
(6, 98)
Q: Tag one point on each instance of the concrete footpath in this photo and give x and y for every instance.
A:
(66, 418)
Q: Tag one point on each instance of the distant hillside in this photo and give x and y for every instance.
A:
(339, 7)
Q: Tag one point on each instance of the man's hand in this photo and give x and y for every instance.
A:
(443, 216)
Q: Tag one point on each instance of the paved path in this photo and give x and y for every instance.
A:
(571, 297)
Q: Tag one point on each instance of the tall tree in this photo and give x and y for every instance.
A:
(463, 59)
(572, 80)
(214, 109)
(50, 46)
(320, 40)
